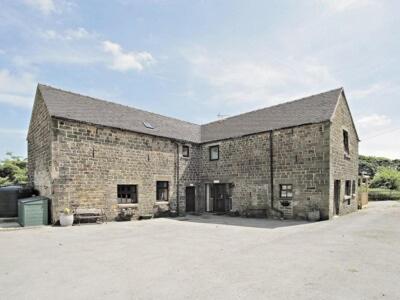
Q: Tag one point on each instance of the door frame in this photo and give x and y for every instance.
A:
(194, 198)
(337, 189)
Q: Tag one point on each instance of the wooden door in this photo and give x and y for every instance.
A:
(220, 198)
(190, 199)
(336, 197)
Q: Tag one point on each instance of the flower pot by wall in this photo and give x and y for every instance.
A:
(66, 220)
(314, 215)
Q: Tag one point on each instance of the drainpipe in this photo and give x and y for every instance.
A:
(177, 178)
(271, 162)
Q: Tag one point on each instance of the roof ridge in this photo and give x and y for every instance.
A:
(114, 103)
(276, 105)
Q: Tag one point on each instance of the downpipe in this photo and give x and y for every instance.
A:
(271, 161)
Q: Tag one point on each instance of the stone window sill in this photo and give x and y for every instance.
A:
(128, 205)
(162, 202)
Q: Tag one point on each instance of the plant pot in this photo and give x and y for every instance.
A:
(66, 220)
(314, 215)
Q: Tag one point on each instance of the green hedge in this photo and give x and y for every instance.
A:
(383, 194)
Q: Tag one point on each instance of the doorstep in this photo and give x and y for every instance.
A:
(9, 223)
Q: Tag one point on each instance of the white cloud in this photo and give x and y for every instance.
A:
(386, 144)
(343, 5)
(17, 89)
(379, 136)
(13, 131)
(82, 47)
(374, 121)
(45, 6)
(125, 61)
(248, 83)
(376, 89)
(68, 34)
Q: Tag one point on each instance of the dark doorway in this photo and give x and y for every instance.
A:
(190, 199)
(336, 197)
(221, 198)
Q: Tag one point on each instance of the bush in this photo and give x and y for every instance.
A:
(386, 178)
(383, 194)
(13, 170)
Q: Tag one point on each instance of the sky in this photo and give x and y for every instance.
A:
(199, 60)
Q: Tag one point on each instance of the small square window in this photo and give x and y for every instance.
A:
(162, 190)
(185, 151)
(127, 194)
(286, 191)
(214, 152)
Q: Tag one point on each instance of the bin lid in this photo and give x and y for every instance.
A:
(32, 200)
(11, 188)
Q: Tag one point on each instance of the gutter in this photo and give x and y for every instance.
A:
(271, 161)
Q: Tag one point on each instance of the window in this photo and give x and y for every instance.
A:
(162, 190)
(348, 191)
(185, 151)
(286, 191)
(148, 125)
(214, 152)
(348, 188)
(346, 142)
(127, 194)
(353, 188)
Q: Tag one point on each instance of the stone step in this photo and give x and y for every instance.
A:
(8, 220)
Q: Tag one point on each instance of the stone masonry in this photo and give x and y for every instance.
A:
(76, 162)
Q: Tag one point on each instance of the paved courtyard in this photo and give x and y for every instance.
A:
(208, 257)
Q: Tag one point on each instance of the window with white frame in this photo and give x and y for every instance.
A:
(286, 191)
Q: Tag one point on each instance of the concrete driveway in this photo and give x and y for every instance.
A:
(351, 257)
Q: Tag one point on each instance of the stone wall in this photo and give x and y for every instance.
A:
(82, 163)
(300, 158)
(343, 168)
(243, 162)
(39, 148)
(90, 161)
(189, 170)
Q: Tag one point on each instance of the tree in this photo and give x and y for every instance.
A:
(13, 170)
(369, 165)
(386, 178)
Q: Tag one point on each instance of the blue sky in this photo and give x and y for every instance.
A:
(194, 60)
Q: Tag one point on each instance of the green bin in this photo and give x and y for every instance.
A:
(33, 211)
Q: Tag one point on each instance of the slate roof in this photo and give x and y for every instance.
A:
(309, 110)
(77, 107)
(68, 105)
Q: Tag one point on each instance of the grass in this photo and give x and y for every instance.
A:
(383, 194)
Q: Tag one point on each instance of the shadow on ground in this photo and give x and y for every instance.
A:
(240, 221)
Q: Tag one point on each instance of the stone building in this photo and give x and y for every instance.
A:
(281, 160)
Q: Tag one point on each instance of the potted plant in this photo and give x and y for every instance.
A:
(66, 217)
(125, 214)
(313, 213)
